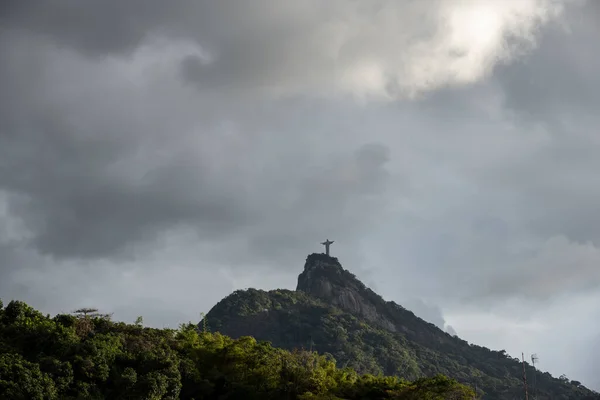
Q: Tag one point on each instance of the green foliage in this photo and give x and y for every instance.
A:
(296, 320)
(55, 358)
(21, 379)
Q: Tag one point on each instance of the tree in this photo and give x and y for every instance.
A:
(43, 358)
(23, 380)
(90, 313)
(84, 325)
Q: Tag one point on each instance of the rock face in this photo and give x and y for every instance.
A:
(324, 278)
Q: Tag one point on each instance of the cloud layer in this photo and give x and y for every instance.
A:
(373, 49)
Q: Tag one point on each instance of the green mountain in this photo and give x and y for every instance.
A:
(333, 313)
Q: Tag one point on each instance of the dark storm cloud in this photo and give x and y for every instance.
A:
(93, 177)
(557, 90)
(66, 172)
(314, 47)
(76, 209)
(552, 96)
(337, 198)
(92, 27)
(518, 218)
(560, 77)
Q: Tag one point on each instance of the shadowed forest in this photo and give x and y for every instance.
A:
(88, 356)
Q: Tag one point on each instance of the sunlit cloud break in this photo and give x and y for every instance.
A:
(468, 39)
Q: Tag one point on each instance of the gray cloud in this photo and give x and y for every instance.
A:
(91, 178)
(517, 171)
(428, 312)
(560, 74)
(84, 25)
(451, 330)
(290, 46)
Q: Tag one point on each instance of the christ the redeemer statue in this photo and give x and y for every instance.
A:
(327, 243)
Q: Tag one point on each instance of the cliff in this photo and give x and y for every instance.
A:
(324, 278)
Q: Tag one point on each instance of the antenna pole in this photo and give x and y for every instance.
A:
(524, 377)
(534, 358)
(203, 322)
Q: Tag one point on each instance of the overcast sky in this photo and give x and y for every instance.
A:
(155, 156)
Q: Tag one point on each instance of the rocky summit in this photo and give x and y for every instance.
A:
(324, 278)
(334, 313)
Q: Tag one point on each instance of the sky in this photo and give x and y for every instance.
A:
(156, 156)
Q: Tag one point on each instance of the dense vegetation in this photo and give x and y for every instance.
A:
(87, 356)
(295, 319)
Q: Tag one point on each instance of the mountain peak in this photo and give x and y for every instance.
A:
(316, 265)
(333, 312)
(321, 273)
(325, 278)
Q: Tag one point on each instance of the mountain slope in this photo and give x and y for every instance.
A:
(333, 312)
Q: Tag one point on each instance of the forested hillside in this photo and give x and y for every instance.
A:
(333, 312)
(87, 356)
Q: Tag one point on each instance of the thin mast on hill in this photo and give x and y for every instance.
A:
(534, 359)
(327, 243)
(524, 377)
